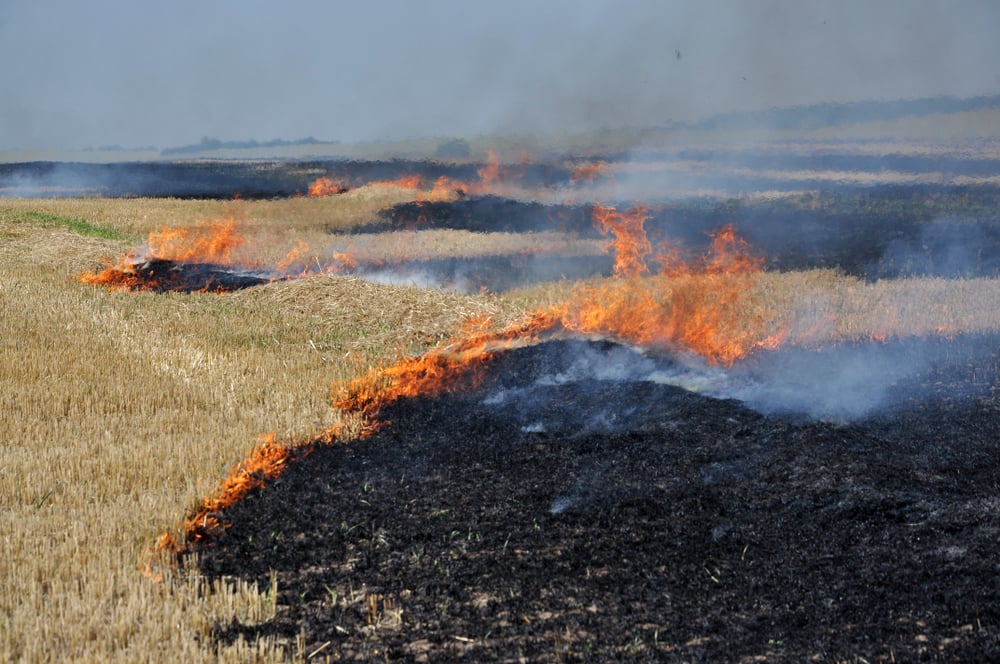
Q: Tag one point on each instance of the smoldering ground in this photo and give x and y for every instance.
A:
(575, 492)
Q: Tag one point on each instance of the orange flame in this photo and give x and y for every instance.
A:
(212, 242)
(444, 189)
(264, 463)
(490, 173)
(587, 173)
(698, 304)
(209, 242)
(631, 246)
(403, 182)
(325, 186)
(451, 368)
(695, 309)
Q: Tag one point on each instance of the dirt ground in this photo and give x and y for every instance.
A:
(537, 518)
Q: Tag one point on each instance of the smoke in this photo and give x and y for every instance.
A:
(840, 383)
(579, 388)
(109, 73)
(951, 248)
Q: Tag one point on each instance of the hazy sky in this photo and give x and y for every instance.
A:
(102, 72)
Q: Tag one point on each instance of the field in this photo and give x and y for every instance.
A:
(122, 411)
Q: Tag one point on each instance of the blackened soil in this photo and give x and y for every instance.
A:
(495, 274)
(220, 179)
(167, 276)
(877, 234)
(489, 273)
(673, 527)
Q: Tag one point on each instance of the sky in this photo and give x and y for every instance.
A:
(105, 72)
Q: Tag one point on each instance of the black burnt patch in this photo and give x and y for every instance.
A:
(887, 232)
(486, 214)
(495, 274)
(694, 530)
(166, 276)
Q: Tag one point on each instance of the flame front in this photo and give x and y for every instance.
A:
(695, 303)
(402, 182)
(698, 304)
(450, 368)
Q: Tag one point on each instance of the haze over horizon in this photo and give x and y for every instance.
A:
(117, 73)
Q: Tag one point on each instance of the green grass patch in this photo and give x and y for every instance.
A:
(79, 226)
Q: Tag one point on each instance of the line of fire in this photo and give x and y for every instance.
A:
(692, 363)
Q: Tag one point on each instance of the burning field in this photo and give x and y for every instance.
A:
(754, 429)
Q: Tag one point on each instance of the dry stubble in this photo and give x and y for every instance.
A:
(119, 410)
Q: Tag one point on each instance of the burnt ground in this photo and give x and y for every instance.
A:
(225, 179)
(493, 273)
(873, 233)
(167, 276)
(554, 515)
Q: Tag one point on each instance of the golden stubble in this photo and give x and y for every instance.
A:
(119, 411)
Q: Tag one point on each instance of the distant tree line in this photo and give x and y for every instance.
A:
(208, 143)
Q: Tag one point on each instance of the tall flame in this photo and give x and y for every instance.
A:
(695, 303)
(209, 242)
(630, 244)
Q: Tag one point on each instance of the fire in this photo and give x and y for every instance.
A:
(218, 244)
(444, 189)
(695, 303)
(450, 368)
(209, 242)
(489, 174)
(264, 463)
(630, 244)
(325, 186)
(588, 173)
(403, 182)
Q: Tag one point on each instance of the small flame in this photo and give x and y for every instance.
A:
(489, 174)
(264, 463)
(447, 189)
(325, 186)
(444, 189)
(216, 243)
(403, 182)
(588, 173)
